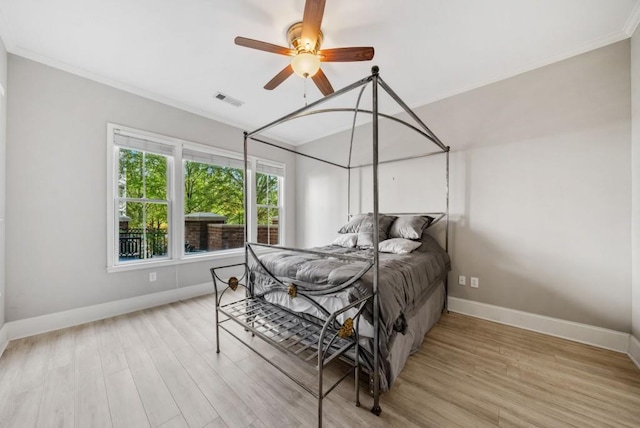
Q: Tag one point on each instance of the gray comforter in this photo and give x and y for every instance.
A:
(405, 282)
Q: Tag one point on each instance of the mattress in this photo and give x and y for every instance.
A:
(405, 283)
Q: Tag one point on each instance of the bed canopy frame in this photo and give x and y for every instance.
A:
(254, 315)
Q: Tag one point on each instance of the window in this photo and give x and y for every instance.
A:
(142, 200)
(171, 200)
(213, 202)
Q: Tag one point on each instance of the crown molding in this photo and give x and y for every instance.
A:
(33, 56)
(633, 20)
(77, 71)
(609, 39)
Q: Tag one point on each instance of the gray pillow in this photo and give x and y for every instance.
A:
(347, 240)
(398, 246)
(409, 227)
(354, 224)
(365, 233)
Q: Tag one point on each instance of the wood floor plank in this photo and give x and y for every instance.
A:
(11, 364)
(63, 349)
(218, 423)
(57, 405)
(21, 410)
(111, 353)
(303, 405)
(170, 335)
(35, 364)
(158, 367)
(269, 411)
(91, 403)
(154, 393)
(224, 400)
(146, 329)
(87, 353)
(124, 402)
(508, 420)
(198, 341)
(195, 408)
(176, 422)
(204, 323)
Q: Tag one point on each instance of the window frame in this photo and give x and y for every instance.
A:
(175, 195)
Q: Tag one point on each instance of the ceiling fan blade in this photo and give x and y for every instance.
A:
(311, 20)
(321, 81)
(263, 46)
(346, 54)
(279, 78)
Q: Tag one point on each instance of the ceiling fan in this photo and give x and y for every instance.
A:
(305, 39)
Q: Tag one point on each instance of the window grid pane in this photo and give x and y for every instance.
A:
(142, 205)
(268, 209)
(143, 231)
(213, 207)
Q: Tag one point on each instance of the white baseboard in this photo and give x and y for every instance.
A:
(577, 332)
(50, 322)
(634, 350)
(4, 338)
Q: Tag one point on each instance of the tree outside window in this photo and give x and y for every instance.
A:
(213, 207)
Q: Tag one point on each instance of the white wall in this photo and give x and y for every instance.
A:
(56, 197)
(635, 170)
(3, 177)
(540, 186)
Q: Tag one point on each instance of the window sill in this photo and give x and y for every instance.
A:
(229, 254)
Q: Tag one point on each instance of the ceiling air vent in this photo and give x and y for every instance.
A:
(227, 99)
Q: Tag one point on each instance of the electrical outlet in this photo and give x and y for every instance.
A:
(462, 280)
(152, 276)
(475, 282)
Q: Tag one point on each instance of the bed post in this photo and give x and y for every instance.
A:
(446, 239)
(246, 200)
(376, 237)
(248, 289)
(246, 213)
(348, 194)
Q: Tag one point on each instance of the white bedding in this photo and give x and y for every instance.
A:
(330, 302)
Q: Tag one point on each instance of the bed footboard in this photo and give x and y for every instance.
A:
(318, 343)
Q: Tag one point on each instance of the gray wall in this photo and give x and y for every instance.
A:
(635, 170)
(56, 196)
(3, 176)
(540, 186)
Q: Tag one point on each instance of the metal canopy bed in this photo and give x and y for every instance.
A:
(332, 331)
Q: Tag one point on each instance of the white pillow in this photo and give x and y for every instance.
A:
(398, 246)
(347, 240)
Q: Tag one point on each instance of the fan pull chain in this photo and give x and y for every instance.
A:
(304, 95)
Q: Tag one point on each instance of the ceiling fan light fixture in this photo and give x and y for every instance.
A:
(305, 64)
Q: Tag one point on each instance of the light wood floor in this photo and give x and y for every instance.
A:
(159, 367)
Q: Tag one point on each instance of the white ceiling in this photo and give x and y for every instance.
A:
(181, 52)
